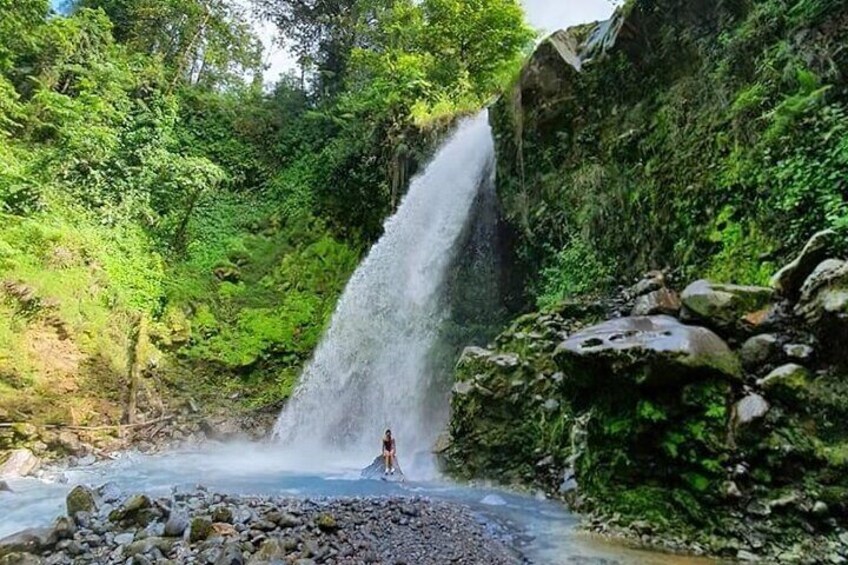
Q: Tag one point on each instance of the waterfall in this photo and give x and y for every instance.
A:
(374, 368)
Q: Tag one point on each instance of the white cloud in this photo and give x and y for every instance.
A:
(545, 15)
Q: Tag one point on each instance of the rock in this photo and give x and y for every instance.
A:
(823, 304)
(662, 301)
(789, 279)
(147, 545)
(463, 388)
(268, 551)
(135, 509)
(798, 351)
(749, 409)
(327, 522)
(725, 305)
(33, 540)
(820, 509)
(223, 529)
(70, 443)
(758, 350)
(222, 514)
(177, 524)
(664, 350)
(787, 382)
(81, 499)
(745, 555)
(200, 528)
(125, 538)
(651, 282)
(231, 555)
(4, 487)
(20, 559)
(19, 463)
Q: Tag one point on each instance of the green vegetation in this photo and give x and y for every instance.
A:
(151, 184)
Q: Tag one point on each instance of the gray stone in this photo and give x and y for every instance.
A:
(125, 538)
(231, 555)
(463, 388)
(758, 350)
(651, 282)
(823, 304)
(749, 409)
(664, 350)
(4, 487)
(109, 492)
(81, 499)
(662, 301)
(19, 463)
(789, 279)
(820, 509)
(725, 305)
(798, 351)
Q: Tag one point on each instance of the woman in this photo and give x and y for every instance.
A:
(389, 453)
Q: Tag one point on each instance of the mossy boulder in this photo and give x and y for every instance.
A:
(725, 306)
(81, 499)
(200, 528)
(653, 350)
(788, 382)
(823, 305)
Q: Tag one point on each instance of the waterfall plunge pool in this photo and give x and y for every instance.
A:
(543, 530)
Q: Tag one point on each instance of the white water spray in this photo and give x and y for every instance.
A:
(373, 369)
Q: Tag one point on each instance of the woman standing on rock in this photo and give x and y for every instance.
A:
(389, 453)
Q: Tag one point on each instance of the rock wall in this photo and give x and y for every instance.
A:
(707, 417)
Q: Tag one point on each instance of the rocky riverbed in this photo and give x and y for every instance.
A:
(198, 526)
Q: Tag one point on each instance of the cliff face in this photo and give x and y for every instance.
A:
(699, 140)
(705, 136)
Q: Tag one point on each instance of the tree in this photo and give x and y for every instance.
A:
(201, 42)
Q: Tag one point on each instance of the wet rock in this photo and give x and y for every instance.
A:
(651, 282)
(134, 509)
(787, 382)
(200, 528)
(109, 492)
(177, 524)
(724, 305)
(789, 279)
(4, 487)
(662, 301)
(663, 349)
(463, 388)
(750, 409)
(81, 499)
(33, 540)
(19, 463)
(758, 350)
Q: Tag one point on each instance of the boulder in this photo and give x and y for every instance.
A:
(19, 463)
(650, 350)
(33, 540)
(823, 304)
(789, 279)
(81, 499)
(726, 306)
(662, 301)
(758, 350)
(200, 528)
(787, 382)
(134, 509)
(20, 559)
(231, 555)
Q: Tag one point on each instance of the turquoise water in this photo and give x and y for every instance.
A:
(543, 529)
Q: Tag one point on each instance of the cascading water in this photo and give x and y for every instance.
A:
(373, 370)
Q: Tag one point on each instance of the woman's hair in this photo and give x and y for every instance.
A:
(388, 432)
